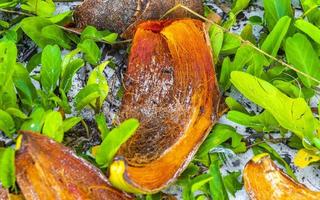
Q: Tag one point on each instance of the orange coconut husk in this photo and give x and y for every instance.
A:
(122, 16)
(47, 170)
(263, 180)
(171, 88)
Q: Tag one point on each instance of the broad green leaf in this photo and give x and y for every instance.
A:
(8, 56)
(309, 29)
(16, 113)
(220, 134)
(70, 70)
(91, 51)
(35, 123)
(239, 5)
(91, 32)
(114, 140)
(232, 183)
(7, 168)
(70, 123)
(8, 3)
(216, 38)
(87, 95)
(216, 185)
(262, 122)
(292, 114)
(57, 35)
(32, 27)
(234, 105)
(53, 126)
(288, 88)
(51, 67)
(44, 8)
(230, 43)
(273, 41)
(8, 97)
(7, 124)
(97, 77)
(200, 181)
(33, 62)
(275, 9)
(311, 9)
(102, 125)
(26, 90)
(302, 56)
(61, 17)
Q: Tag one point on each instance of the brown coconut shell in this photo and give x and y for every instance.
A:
(263, 180)
(48, 170)
(122, 16)
(171, 88)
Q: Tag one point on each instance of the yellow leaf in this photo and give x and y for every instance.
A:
(304, 157)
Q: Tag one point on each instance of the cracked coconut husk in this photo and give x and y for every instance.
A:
(171, 88)
(46, 169)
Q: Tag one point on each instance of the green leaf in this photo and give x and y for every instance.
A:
(232, 183)
(292, 114)
(234, 105)
(262, 122)
(70, 123)
(310, 11)
(16, 113)
(56, 35)
(97, 77)
(53, 126)
(216, 185)
(61, 17)
(224, 79)
(114, 140)
(86, 96)
(26, 90)
(102, 125)
(309, 29)
(239, 5)
(216, 38)
(51, 67)
(91, 32)
(32, 27)
(70, 70)
(44, 8)
(6, 123)
(200, 181)
(273, 41)
(91, 51)
(7, 172)
(288, 88)
(8, 3)
(230, 43)
(35, 123)
(8, 56)
(33, 62)
(275, 9)
(302, 56)
(220, 134)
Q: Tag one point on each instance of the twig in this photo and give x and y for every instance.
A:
(241, 39)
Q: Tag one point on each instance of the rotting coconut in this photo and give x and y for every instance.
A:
(171, 88)
(48, 170)
(122, 16)
(263, 180)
